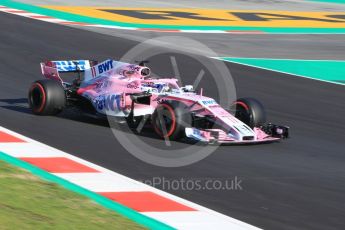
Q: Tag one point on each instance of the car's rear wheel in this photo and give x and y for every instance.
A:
(250, 111)
(170, 120)
(46, 97)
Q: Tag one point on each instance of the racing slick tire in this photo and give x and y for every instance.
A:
(250, 111)
(170, 120)
(46, 97)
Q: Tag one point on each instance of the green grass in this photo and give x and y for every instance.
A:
(28, 202)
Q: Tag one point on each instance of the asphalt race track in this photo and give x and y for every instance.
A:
(296, 184)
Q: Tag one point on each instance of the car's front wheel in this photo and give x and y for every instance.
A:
(170, 120)
(250, 111)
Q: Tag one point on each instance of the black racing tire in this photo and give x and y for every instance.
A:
(175, 117)
(250, 111)
(46, 97)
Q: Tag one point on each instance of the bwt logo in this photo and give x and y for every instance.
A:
(209, 102)
(105, 66)
(110, 102)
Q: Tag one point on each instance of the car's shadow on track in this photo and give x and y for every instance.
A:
(17, 104)
(21, 105)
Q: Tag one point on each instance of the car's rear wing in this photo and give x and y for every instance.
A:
(90, 69)
(51, 69)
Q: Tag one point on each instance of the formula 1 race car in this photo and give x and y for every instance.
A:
(127, 91)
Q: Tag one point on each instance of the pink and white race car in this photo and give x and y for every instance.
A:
(126, 91)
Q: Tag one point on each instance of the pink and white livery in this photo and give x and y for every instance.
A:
(126, 91)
